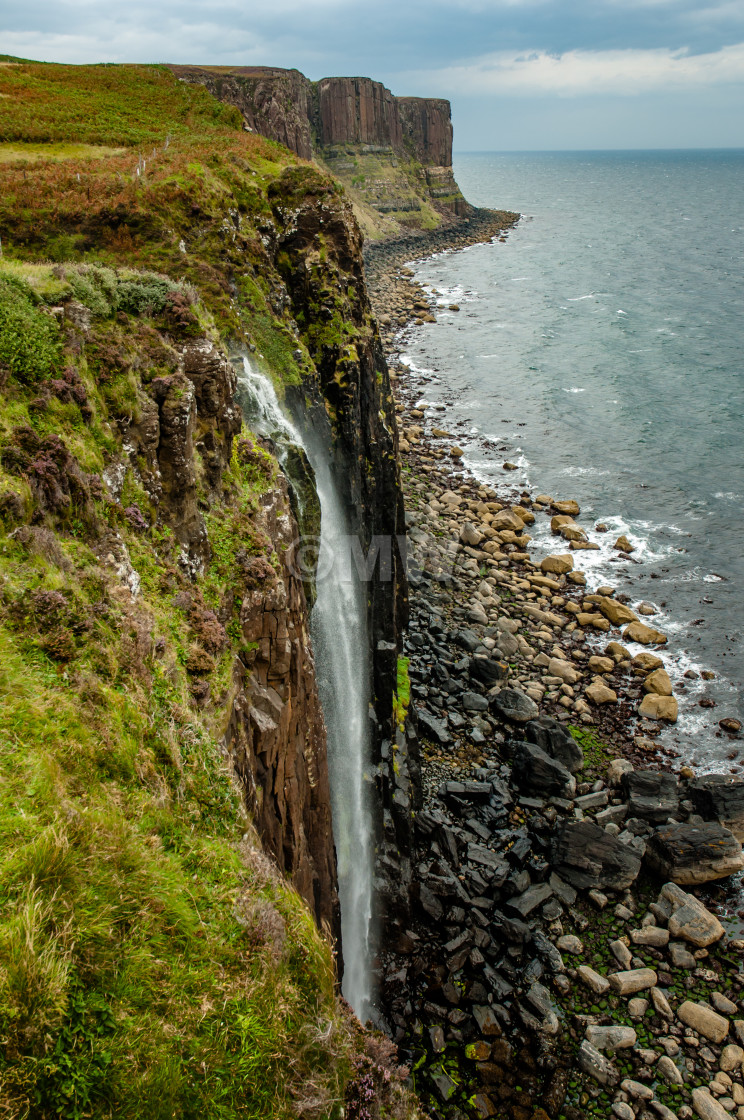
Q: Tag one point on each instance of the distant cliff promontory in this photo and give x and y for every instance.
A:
(394, 154)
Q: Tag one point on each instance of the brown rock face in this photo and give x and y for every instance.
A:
(284, 106)
(274, 102)
(276, 735)
(357, 111)
(427, 129)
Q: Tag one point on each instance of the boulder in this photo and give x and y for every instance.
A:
(632, 981)
(433, 728)
(488, 671)
(647, 662)
(616, 612)
(470, 535)
(707, 1107)
(689, 854)
(507, 519)
(569, 506)
(717, 797)
(534, 771)
(622, 544)
(656, 707)
(689, 918)
(552, 736)
(586, 856)
(513, 705)
(560, 564)
(596, 1065)
(652, 795)
(557, 667)
(703, 1019)
(659, 682)
(599, 693)
(611, 1038)
(646, 635)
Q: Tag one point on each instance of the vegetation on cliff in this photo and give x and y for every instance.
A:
(152, 961)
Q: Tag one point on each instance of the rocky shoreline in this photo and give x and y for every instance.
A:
(562, 957)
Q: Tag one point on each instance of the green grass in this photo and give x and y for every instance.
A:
(134, 106)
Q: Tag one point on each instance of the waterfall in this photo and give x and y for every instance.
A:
(339, 630)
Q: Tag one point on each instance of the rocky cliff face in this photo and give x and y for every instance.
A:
(276, 734)
(274, 102)
(356, 111)
(392, 153)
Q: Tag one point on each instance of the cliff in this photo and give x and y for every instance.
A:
(169, 858)
(393, 154)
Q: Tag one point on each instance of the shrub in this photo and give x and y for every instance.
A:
(29, 338)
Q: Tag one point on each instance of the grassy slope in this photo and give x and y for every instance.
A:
(151, 963)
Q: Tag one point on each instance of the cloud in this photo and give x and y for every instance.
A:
(579, 73)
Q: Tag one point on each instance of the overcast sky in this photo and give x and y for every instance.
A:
(521, 74)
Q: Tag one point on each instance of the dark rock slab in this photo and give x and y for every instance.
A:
(530, 899)
(584, 855)
(474, 702)
(535, 772)
(718, 797)
(513, 705)
(552, 736)
(467, 791)
(488, 671)
(433, 728)
(652, 795)
(688, 854)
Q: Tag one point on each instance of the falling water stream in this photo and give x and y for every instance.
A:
(339, 633)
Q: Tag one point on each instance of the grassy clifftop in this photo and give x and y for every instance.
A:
(152, 961)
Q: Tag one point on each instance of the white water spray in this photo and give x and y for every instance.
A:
(339, 631)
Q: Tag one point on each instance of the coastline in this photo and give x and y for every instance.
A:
(479, 600)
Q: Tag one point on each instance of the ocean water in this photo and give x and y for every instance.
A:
(600, 349)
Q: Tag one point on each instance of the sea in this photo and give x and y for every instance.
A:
(600, 349)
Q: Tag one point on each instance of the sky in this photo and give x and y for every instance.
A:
(521, 74)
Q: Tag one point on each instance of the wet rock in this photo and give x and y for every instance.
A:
(596, 1065)
(658, 682)
(560, 564)
(534, 771)
(611, 1038)
(647, 662)
(488, 671)
(706, 1106)
(474, 702)
(616, 612)
(530, 899)
(681, 957)
(689, 854)
(656, 707)
(618, 768)
(703, 1019)
(718, 797)
(598, 984)
(513, 706)
(553, 738)
(599, 693)
(668, 1070)
(732, 1057)
(586, 856)
(689, 918)
(650, 935)
(645, 635)
(433, 728)
(622, 544)
(652, 795)
(632, 981)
